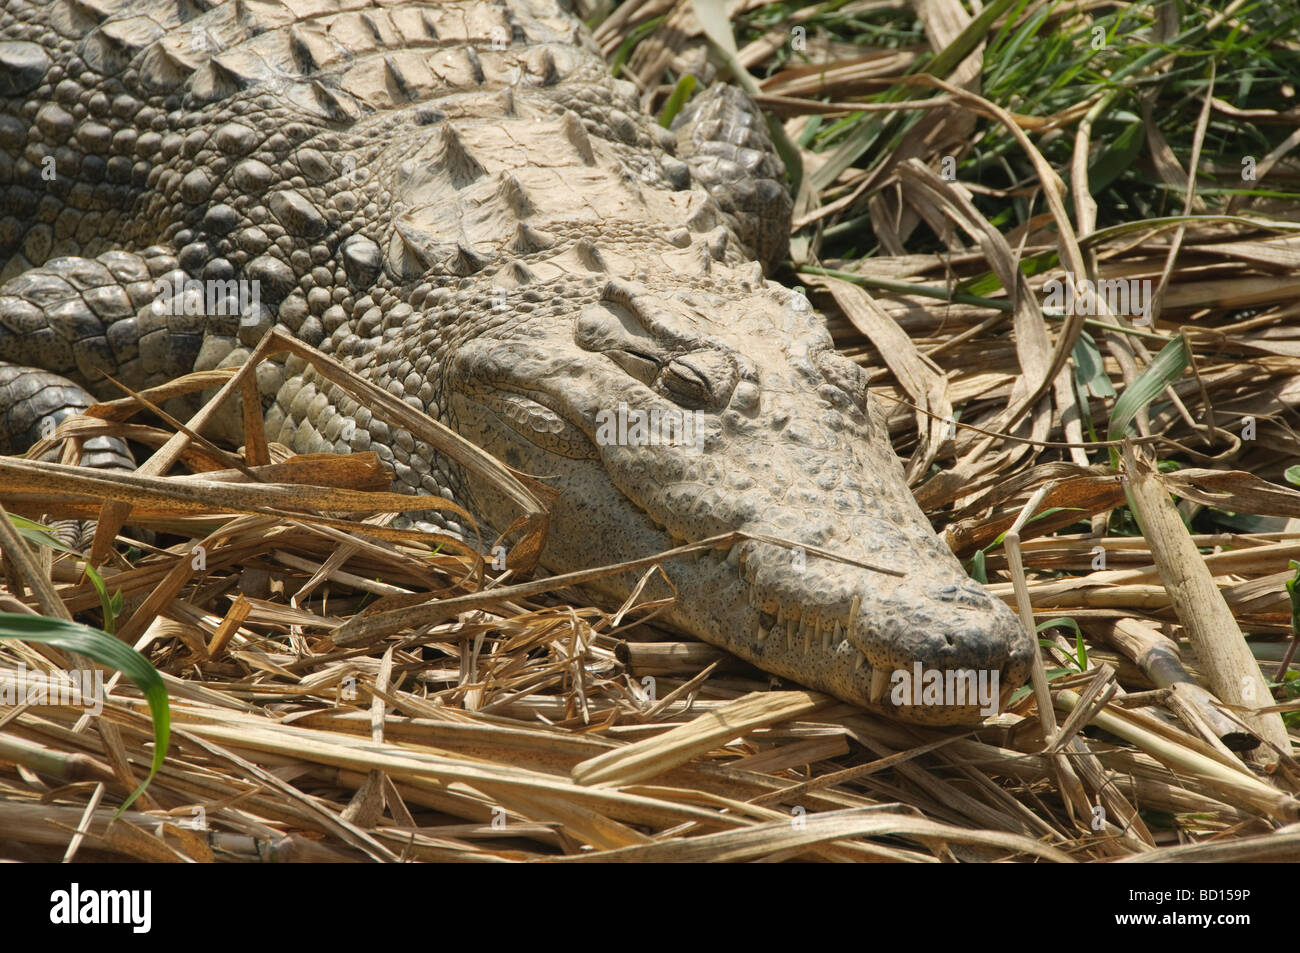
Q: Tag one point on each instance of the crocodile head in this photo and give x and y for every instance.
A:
(674, 414)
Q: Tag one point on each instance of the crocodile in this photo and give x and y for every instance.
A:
(458, 202)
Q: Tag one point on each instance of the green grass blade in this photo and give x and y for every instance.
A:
(681, 92)
(105, 601)
(39, 534)
(976, 32)
(1168, 366)
(628, 45)
(103, 648)
(1294, 593)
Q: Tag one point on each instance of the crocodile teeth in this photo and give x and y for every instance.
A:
(853, 616)
(733, 556)
(859, 662)
(824, 634)
(760, 633)
(879, 682)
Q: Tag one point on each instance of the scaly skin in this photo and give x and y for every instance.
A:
(456, 200)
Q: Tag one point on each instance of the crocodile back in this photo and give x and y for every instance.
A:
(463, 132)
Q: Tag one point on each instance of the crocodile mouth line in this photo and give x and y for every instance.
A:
(533, 416)
(793, 626)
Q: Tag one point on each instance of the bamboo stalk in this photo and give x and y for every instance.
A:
(645, 759)
(1158, 657)
(1231, 669)
(1235, 783)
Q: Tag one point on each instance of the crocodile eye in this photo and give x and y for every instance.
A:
(685, 384)
(641, 366)
(703, 378)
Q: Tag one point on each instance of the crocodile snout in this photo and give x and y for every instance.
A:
(917, 640)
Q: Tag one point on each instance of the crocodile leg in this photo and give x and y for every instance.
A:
(723, 138)
(141, 318)
(116, 314)
(33, 402)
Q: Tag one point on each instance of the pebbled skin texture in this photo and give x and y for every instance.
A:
(457, 201)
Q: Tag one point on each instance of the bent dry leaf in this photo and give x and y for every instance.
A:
(103, 648)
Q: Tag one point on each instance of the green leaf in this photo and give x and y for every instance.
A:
(1090, 369)
(1292, 474)
(716, 24)
(681, 92)
(628, 45)
(1059, 622)
(1168, 366)
(40, 534)
(976, 32)
(106, 603)
(1293, 590)
(1117, 157)
(1080, 658)
(1052, 675)
(103, 648)
(1049, 644)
